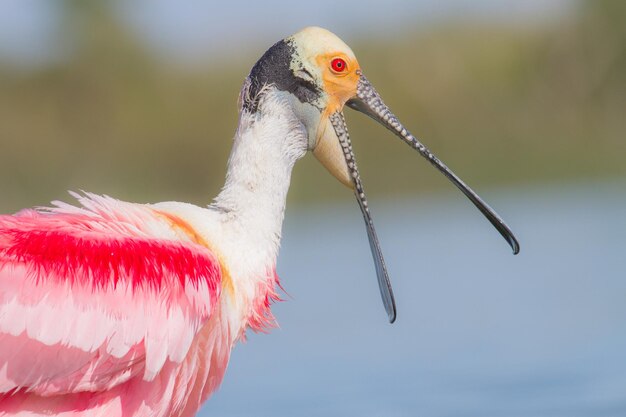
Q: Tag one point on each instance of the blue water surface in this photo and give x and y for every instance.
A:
(480, 332)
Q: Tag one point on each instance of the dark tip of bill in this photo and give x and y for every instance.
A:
(509, 237)
(392, 318)
(514, 245)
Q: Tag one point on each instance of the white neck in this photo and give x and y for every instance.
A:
(243, 224)
(252, 202)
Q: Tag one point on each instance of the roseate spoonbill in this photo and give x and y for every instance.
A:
(111, 308)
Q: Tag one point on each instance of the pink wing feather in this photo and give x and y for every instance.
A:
(92, 296)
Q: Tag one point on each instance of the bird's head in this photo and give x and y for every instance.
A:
(319, 75)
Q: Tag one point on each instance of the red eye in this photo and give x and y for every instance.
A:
(338, 65)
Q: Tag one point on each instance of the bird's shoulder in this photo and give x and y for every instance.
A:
(105, 281)
(109, 241)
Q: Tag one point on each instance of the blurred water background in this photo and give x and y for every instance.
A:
(479, 332)
(524, 100)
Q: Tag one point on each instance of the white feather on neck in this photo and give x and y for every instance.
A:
(251, 205)
(267, 144)
(244, 222)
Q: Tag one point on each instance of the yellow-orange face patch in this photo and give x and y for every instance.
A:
(340, 77)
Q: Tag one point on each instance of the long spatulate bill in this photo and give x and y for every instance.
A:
(368, 101)
(384, 284)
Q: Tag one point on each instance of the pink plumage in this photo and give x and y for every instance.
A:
(105, 310)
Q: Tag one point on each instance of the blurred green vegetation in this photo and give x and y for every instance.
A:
(499, 104)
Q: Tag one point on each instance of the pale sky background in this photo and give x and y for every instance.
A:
(190, 30)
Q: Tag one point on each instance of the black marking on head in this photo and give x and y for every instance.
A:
(273, 68)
